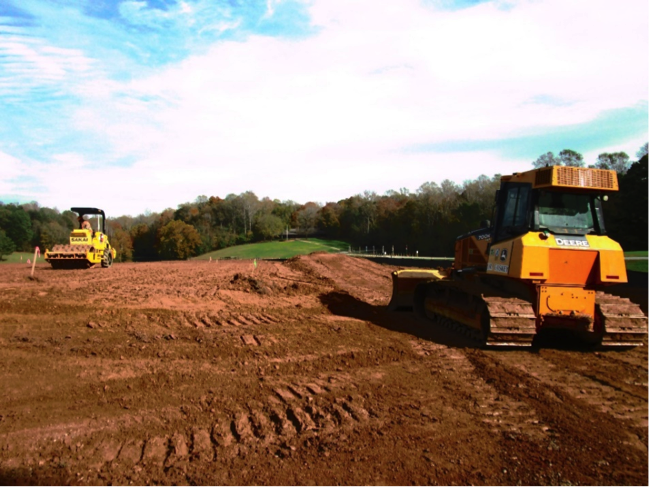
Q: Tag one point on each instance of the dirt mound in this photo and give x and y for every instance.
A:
(246, 283)
(290, 373)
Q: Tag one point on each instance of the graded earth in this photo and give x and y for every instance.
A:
(293, 372)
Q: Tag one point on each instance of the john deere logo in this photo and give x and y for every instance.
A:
(576, 241)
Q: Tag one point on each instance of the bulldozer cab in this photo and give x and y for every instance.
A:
(561, 211)
(549, 228)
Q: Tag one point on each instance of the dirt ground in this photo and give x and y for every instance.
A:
(291, 373)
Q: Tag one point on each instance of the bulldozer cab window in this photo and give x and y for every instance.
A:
(515, 200)
(564, 213)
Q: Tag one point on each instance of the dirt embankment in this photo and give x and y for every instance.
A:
(291, 373)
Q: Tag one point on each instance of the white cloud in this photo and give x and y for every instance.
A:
(11, 169)
(630, 147)
(35, 63)
(326, 116)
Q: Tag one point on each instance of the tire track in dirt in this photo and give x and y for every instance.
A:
(362, 277)
(296, 410)
(303, 407)
(591, 439)
(223, 319)
(636, 361)
(291, 373)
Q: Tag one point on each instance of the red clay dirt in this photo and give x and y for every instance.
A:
(291, 373)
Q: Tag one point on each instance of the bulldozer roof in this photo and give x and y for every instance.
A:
(557, 177)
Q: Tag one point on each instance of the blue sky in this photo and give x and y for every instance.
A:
(138, 105)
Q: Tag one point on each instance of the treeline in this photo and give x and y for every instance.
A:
(22, 227)
(426, 221)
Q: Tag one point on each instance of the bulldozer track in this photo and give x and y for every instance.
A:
(512, 321)
(536, 382)
(625, 325)
(500, 413)
(497, 321)
(602, 392)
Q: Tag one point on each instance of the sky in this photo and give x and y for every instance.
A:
(135, 106)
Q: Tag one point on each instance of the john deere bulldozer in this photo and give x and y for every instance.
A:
(86, 248)
(542, 264)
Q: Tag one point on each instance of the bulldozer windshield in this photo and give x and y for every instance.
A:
(566, 213)
(519, 209)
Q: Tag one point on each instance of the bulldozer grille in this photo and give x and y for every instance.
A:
(577, 177)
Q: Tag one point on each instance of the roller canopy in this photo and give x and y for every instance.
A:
(81, 210)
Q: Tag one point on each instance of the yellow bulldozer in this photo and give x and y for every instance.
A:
(87, 248)
(541, 264)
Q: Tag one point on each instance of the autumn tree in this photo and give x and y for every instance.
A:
(328, 220)
(482, 192)
(124, 222)
(250, 205)
(477, 201)
(616, 161)
(268, 226)
(143, 239)
(307, 217)
(642, 151)
(49, 234)
(428, 199)
(547, 159)
(567, 157)
(285, 210)
(123, 244)
(626, 211)
(177, 240)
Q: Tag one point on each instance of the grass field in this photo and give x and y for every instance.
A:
(276, 250)
(636, 265)
(286, 250)
(15, 258)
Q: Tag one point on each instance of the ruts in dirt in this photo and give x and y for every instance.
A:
(291, 373)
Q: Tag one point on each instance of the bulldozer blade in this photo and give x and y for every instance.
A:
(404, 283)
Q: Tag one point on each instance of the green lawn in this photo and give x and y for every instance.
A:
(15, 257)
(276, 250)
(286, 250)
(636, 265)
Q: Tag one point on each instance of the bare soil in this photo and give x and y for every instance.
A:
(292, 373)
